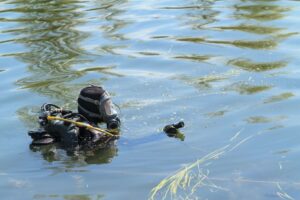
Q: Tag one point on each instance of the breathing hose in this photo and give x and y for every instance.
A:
(81, 124)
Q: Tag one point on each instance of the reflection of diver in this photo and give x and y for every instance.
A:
(78, 130)
(97, 155)
(100, 155)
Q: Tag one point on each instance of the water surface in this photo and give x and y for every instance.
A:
(229, 69)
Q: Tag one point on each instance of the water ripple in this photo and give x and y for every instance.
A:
(218, 65)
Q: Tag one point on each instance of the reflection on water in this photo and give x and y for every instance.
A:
(199, 13)
(279, 97)
(228, 68)
(29, 115)
(257, 66)
(252, 29)
(216, 114)
(260, 11)
(54, 152)
(250, 24)
(48, 31)
(245, 88)
(206, 82)
(261, 119)
(53, 47)
(68, 197)
(109, 11)
(196, 58)
(261, 44)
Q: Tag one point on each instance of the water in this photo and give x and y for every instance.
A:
(229, 69)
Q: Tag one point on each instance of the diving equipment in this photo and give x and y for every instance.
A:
(96, 105)
(40, 137)
(68, 128)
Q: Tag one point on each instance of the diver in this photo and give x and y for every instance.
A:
(95, 104)
(74, 130)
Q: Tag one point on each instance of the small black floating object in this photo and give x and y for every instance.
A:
(172, 129)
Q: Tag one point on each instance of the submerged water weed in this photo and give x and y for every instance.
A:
(187, 181)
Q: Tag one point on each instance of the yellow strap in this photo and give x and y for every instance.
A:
(80, 124)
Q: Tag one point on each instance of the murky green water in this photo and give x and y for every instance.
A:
(229, 69)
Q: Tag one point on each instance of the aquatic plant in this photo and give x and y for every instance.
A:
(184, 183)
(187, 182)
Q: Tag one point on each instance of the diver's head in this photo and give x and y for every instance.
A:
(96, 105)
